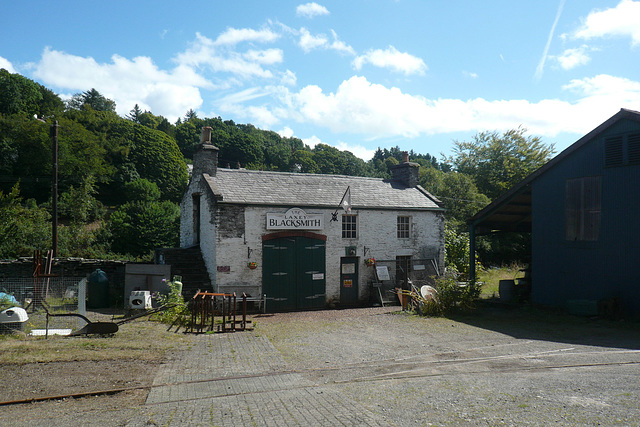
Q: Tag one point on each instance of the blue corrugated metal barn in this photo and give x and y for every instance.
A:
(583, 212)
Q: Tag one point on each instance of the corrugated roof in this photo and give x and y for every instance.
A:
(250, 187)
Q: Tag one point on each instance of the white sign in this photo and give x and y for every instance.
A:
(295, 219)
(383, 272)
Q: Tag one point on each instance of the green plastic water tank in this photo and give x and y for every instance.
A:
(98, 290)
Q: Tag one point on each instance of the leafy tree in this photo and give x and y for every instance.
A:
(188, 137)
(22, 228)
(92, 99)
(79, 204)
(241, 148)
(134, 114)
(50, 103)
(18, 94)
(497, 162)
(142, 190)
(190, 115)
(302, 161)
(25, 154)
(138, 227)
(458, 192)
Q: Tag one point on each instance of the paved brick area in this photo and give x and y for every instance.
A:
(241, 379)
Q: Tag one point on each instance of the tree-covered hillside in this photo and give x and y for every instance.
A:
(120, 178)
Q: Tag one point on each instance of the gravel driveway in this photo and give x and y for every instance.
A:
(379, 366)
(499, 366)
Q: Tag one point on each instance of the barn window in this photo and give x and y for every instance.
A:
(633, 148)
(349, 226)
(582, 208)
(622, 150)
(613, 151)
(404, 227)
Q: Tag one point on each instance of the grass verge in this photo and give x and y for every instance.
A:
(140, 339)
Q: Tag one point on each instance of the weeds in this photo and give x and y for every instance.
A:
(177, 311)
(451, 296)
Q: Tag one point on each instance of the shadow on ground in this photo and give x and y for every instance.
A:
(536, 323)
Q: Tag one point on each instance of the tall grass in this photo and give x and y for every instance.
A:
(491, 278)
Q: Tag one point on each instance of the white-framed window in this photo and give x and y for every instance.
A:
(349, 226)
(404, 227)
(582, 208)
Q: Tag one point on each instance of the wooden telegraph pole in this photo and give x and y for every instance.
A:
(54, 188)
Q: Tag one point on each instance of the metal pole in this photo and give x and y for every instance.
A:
(472, 253)
(54, 188)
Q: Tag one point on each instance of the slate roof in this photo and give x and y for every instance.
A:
(248, 187)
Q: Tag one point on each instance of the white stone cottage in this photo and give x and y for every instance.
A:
(287, 236)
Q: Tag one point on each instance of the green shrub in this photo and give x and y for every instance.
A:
(451, 297)
(177, 312)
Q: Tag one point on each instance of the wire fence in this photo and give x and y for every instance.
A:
(42, 294)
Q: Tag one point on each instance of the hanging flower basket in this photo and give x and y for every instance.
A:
(370, 261)
(252, 265)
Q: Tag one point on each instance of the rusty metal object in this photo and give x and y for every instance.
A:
(206, 306)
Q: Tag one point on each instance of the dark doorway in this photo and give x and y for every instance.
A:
(349, 281)
(293, 273)
(196, 218)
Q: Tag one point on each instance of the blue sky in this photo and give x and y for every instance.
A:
(356, 74)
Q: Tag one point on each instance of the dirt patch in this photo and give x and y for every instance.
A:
(34, 380)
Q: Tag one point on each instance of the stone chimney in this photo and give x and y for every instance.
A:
(205, 158)
(406, 172)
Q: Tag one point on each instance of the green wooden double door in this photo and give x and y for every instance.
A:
(293, 273)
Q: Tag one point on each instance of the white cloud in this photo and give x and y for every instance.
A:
(357, 150)
(312, 141)
(311, 10)
(340, 46)
(572, 58)
(289, 78)
(393, 59)
(287, 132)
(220, 57)
(267, 56)
(233, 36)
(309, 42)
(622, 20)
(4, 63)
(127, 82)
(470, 74)
(374, 111)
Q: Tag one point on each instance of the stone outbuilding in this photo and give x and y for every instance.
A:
(306, 241)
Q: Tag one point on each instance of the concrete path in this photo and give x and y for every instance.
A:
(240, 379)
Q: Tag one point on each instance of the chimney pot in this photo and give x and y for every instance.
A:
(206, 135)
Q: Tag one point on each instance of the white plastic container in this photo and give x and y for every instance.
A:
(140, 300)
(13, 319)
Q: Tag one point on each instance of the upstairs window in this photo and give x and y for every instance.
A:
(582, 208)
(404, 227)
(622, 150)
(349, 226)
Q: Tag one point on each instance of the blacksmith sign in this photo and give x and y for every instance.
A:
(295, 219)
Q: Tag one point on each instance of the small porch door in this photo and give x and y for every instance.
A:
(349, 281)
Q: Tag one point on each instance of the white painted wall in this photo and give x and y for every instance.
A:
(376, 231)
